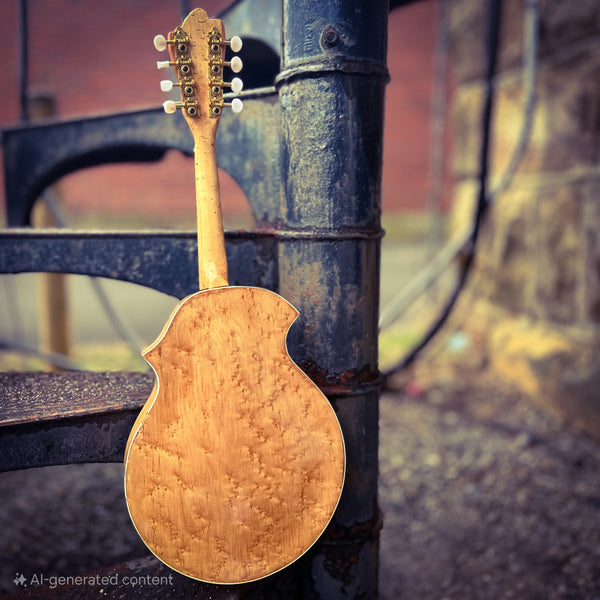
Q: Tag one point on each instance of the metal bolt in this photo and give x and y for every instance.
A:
(330, 37)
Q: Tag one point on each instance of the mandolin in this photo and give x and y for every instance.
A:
(236, 463)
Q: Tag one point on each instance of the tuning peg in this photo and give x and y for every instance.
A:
(235, 43)
(235, 64)
(183, 66)
(236, 105)
(171, 106)
(190, 107)
(187, 87)
(236, 85)
(160, 42)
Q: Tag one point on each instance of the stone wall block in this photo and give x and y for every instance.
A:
(566, 126)
(558, 369)
(468, 38)
(591, 238)
(507, 121)
(561, 24)
(566, 23)
(466, 47)
(464, 196)
(466, 110)
(560, 254)
(506, 262)
(537, 268)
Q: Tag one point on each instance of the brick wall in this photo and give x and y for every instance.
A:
(411, 46)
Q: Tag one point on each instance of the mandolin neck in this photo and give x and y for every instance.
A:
(212, 261)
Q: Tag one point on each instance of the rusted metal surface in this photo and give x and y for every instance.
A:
(331, 95)
(49, 397)
(248, 149)
(56, 418)
(38, 155)
(163, 260)
(258, 19)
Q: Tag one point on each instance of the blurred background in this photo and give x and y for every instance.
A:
(491, 259)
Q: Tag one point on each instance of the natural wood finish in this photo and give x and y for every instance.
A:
(141, 417)
(53, 298)
(212, 261)
(238, 465)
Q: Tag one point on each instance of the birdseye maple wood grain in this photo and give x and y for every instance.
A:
(235, 470)
(236, 463)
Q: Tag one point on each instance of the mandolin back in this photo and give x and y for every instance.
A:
(237, 461)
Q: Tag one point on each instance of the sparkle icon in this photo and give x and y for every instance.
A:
(20, 579)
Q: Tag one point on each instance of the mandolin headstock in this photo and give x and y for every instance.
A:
(197, 55)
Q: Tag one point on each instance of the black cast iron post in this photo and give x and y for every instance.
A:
(331, 93)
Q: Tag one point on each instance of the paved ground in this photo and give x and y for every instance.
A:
(486, 498)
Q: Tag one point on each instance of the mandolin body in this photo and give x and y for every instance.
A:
(236, 463)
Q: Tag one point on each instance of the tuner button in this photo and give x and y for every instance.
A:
(160, 43)
(170, 106)
(162, 64)
(235, 43)
(237, 105)
(237, 85)
(236, 64)
(166, 85)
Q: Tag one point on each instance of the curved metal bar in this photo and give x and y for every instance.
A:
(36, 156)
(162, 260)
(259, 19)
